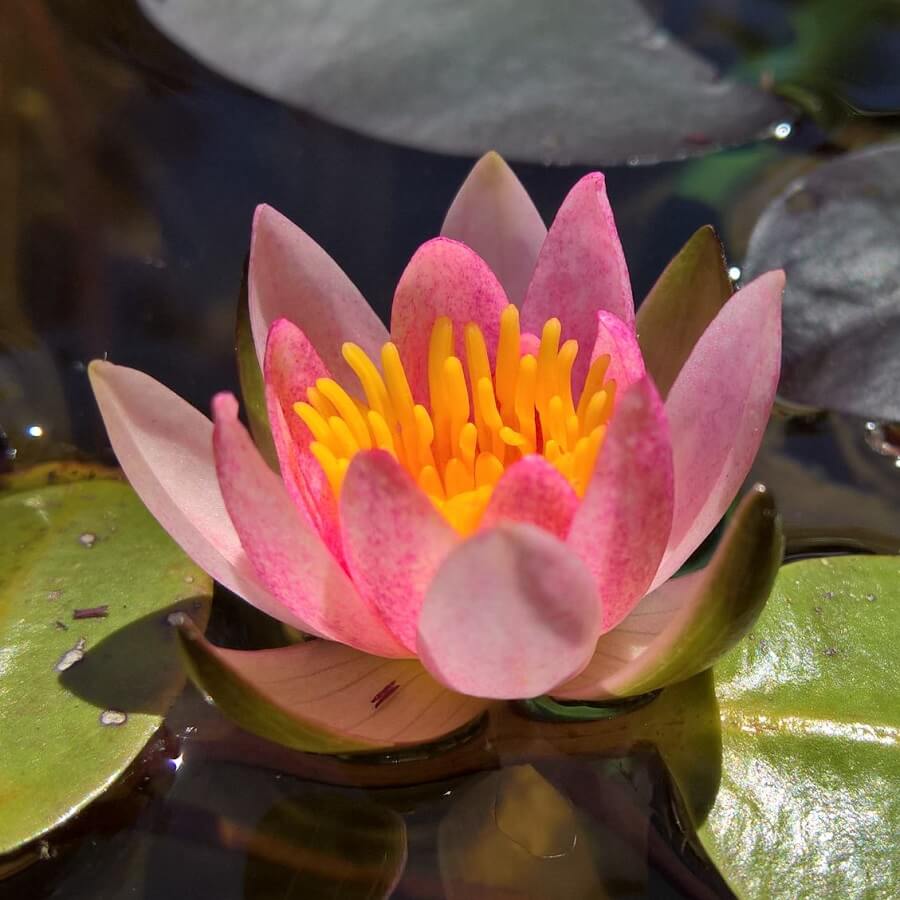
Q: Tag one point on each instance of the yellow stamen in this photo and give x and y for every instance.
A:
(508, 361)
(346, 410)
(322, 406)
(546, 364)
(317, 425)
(440, 348)
(478, 421)
(384, 440)
(592, 383)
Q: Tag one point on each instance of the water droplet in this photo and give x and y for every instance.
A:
(113, 717)
(782, 130)
(70, 657)
(883, 439)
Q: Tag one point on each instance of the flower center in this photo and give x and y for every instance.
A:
(480, 421)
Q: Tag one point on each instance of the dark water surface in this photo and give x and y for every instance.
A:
(129, 174)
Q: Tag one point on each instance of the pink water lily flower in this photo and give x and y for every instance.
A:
(488, 502)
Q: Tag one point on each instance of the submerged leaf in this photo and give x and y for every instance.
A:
(835, 232)
(808, 804)
(89, 660)
(589, 82)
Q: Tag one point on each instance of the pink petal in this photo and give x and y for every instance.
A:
(444, 278)
(291, 366)
(291, 559)
(164, 446)
(335, 699)
(532, 490)
(614, 337)
(718, 408)
(511, 613)
(581, 269)
(394, 539)
(292, 277)
(493, 214)
(622, 526)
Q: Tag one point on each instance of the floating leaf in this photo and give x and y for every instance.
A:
(595, 82)
(89, 663)
(808, 804)
(835, 232)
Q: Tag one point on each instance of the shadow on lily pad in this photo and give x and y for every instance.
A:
(130, 670)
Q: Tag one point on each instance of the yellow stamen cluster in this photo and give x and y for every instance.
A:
(480, 421)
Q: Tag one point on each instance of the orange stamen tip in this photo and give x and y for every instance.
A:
(480, 417)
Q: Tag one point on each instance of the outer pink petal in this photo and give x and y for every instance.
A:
(532, 490)
(291, 366)
(394, 539)
(626, 364)
(327, 690)
(718, 408)
(622, 526)
(289, 556)
(494, 215)
(510, 614)
(581, 269)
(444, 278)
(164, 446)
(292, 277)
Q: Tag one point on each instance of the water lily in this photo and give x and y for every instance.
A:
(488, 502)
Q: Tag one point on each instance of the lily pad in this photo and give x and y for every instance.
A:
(597, 83)
(835, 232)
(808, 803)
(88, 661)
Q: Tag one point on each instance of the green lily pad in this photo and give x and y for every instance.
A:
(808, 803)
(88, 662)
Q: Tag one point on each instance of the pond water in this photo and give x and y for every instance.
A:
(130, 174)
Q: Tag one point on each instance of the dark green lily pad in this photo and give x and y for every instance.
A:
(589, 82)
(808, 803)
(88, 661)
(835, 232)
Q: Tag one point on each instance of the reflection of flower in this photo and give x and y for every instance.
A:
(498, 493)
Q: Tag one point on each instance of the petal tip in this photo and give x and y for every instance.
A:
(224, 406)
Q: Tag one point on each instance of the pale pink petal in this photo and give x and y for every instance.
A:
(394, 539)
(289, 556)
(291, 366)
(335, 699)
(529, 343)
(580, 270)
(532, 490)
(164, 446)
(622, 526)
(292, 277)
(618, 340)
(493, 214)
(511, 613)
(444, 278)
(718, 408)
